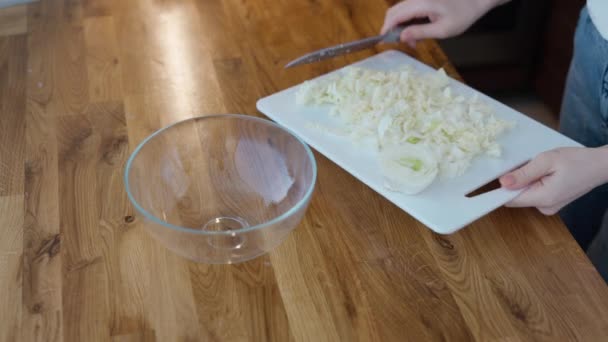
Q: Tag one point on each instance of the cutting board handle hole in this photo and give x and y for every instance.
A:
(492, 185)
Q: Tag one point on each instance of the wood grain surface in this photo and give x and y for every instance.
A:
(83, 82)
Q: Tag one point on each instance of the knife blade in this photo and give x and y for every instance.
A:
(392, 36)
(337, 50)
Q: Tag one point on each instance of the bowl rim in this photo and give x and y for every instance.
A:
(294, 209)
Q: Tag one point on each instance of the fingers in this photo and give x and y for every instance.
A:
(531, 197)
(551, 210)
(534, 170)
(539, 196)
(404, 11)
(419, 32)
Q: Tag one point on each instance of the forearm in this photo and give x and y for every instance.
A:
(498, 2)
(489, 4)
(602, 160)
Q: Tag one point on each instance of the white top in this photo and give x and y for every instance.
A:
(598, 11)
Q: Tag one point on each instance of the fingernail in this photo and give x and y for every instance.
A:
(507, 180)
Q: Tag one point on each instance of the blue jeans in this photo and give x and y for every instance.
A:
(584, 118)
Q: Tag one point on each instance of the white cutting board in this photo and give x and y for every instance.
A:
(443, 206)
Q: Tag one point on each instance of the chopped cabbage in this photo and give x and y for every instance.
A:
(407, 107)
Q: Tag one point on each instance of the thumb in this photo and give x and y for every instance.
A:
(404, 11)
(527, 174)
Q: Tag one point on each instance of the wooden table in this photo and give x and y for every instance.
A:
(83, 82)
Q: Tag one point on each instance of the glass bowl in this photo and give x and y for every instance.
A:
(222, 188)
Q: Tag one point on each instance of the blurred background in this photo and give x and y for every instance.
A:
(519, 53)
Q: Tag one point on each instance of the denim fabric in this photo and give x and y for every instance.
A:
(598, 250)
(584, 118)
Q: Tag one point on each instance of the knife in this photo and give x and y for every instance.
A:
(392, 36)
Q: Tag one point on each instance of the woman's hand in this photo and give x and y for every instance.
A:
(558, 177)
(447, 17)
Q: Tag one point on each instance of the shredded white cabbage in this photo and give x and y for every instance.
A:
(409, 107)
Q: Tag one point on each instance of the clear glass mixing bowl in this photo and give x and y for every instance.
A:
(221, 188)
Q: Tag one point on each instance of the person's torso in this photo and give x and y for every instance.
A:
(598, 11)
